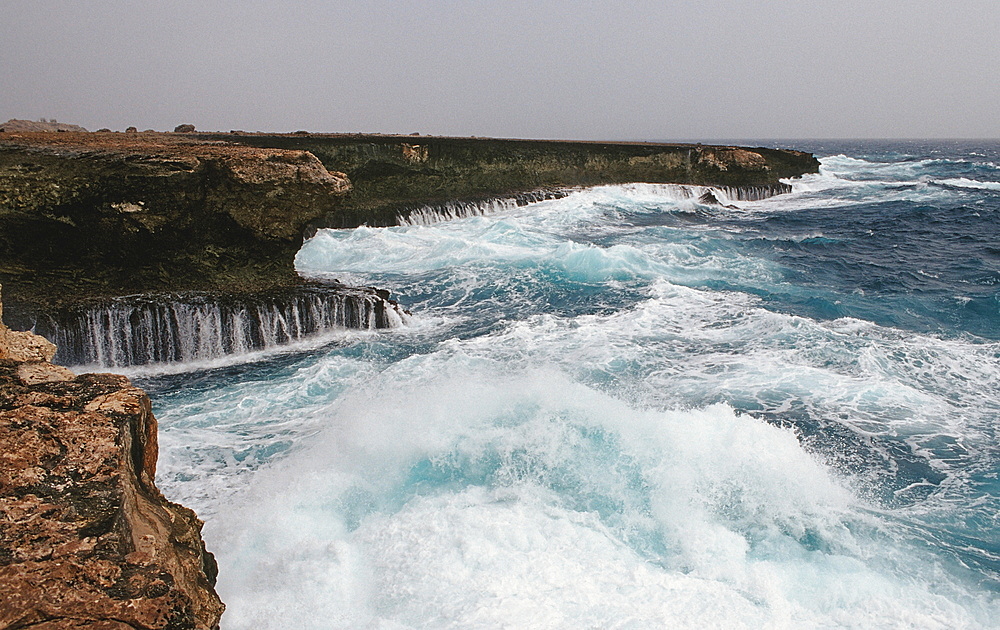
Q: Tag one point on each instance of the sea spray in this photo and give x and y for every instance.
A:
(624, 408)
(456, 493)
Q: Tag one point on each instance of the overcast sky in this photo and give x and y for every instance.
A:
(548, 69)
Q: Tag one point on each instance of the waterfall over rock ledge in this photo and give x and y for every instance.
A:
(148, 328)
(428, 214)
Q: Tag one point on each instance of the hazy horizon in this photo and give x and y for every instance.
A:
(729, 69)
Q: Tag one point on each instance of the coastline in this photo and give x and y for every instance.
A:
(102, 215)
(86, 218)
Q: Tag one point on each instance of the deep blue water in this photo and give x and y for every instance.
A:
(626, 409)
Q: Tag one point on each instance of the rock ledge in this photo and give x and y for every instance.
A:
(86, 538)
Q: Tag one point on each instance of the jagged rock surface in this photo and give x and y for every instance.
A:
(84, 215)
(86, 539)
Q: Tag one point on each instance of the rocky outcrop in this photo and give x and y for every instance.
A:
(110, 214)
(84, 215)
(86, 539)
(14, 125)
(23, 346)
(394, 175)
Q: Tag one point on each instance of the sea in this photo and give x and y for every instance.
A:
(627, 409)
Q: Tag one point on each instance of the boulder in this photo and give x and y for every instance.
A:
(23, 346)
(186, 128)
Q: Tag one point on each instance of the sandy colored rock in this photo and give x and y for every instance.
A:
(14, 125)
(725, 159)
(23, 346)
(86, 538)
(42, 372)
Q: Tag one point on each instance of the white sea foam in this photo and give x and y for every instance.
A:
(566, 471)
(717, 519)
(488, 247)
(964, 182)
(484, 484)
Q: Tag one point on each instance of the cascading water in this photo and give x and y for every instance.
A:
(183, 328)
(451, 210)
(428, 214)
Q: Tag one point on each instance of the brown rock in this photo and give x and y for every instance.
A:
(15, 125)
(86, 538)
(725, 158)
(186, 128)
(23, 346)
(43, 372)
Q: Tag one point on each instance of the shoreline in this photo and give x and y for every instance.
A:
(106, 214)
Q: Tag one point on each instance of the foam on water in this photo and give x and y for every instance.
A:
(964, 182)
(624, 408)
(458, 492)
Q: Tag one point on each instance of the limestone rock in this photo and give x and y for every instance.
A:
(93, 214)
(86, 538)
(43, 372)
(15, 125)
(23, 346)
(724, 159)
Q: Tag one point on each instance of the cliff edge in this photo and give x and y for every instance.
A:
(85, 215)
(86, 538)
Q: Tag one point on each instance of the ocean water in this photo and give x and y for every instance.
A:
(623, 409)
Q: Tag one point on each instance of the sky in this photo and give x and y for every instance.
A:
(640, 70)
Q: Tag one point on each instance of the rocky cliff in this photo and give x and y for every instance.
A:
(86, 539)
(111, 214)
(393, 175)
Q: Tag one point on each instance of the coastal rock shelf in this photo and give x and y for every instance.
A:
(86, 538)
(392, 176)
(86, 215)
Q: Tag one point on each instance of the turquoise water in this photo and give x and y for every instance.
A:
(623, 409)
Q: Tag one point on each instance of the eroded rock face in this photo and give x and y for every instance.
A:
(23, 346)
(84, 215)
(86, 539)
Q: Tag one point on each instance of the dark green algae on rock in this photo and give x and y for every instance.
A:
(86, 215)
